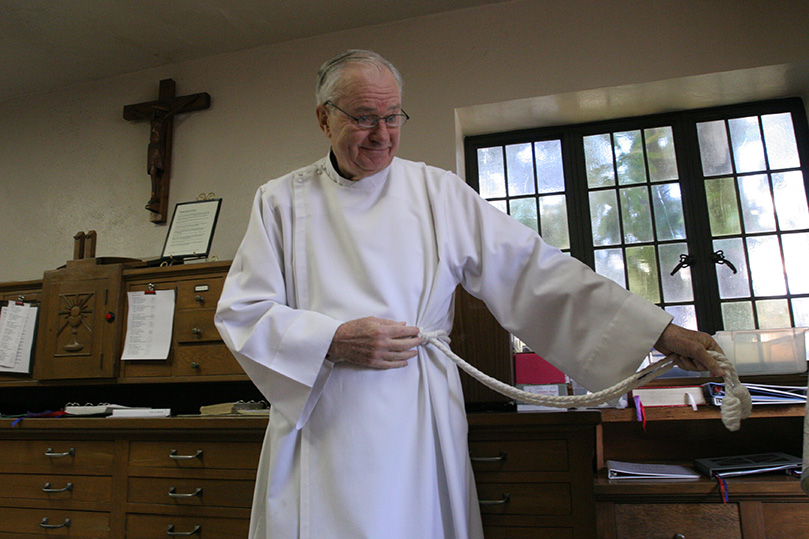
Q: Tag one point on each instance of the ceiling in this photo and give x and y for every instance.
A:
(49, 44)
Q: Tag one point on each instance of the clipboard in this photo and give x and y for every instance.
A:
(19, 345)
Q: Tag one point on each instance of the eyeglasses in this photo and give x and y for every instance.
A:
(369, 121)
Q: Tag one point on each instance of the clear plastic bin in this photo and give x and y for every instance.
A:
(765, 351)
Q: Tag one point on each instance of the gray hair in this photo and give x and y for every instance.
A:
(329, 74)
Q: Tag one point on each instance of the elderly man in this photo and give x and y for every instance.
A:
(342, 264)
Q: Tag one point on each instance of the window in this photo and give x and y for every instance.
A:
(703, 212)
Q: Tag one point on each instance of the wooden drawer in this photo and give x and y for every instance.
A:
(195, 326)
(522, 532)
(525, 499)
(205, 359)
(199, 293)
(56, 456)
(195, 455)
(84, 524)
(519, 455)
(664, 521)
(60, 488)
(154, 526)
(785, 520)
(190, 492)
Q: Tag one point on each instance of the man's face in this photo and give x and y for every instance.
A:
(366, 91)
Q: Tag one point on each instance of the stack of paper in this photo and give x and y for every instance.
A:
(759, 393)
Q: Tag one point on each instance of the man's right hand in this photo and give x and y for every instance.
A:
(375, 342)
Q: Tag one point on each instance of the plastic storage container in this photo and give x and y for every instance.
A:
(765, 351)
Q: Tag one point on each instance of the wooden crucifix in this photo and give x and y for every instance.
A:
(160, 115)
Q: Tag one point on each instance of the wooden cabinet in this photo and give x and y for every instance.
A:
(128, 478)
(197, 350)
(534, 473)
(56, 484)
(759, 506)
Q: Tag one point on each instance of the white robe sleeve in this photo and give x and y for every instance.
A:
(584, 324)
(282, 349)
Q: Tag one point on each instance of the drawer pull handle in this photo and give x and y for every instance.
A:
(44, 524)
(678, 536)
(504, 500)
(47, 488)
(499, 458)
(200, 299)
(174, 456)
(173, 533)
(174, 494)
(69, 453)
(196, 331)
(195, 365)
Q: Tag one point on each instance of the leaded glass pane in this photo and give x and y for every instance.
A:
(553, 212)
(684, 315)
(550, 170)
(738, 315)
(713, 148)
(629, 160)
(491, 172)
(790, 200)
(723, 211)
(604, 218)
(748, 151)
(766, 265)
(779, 137)
(520, 167)
(641, 269)
(637, 215)
(525, 211)
(757, 207)
(732, 285)
(796, 259)
(773, 314)
(610, 264)
(668, 211)
(660, 154)
(800, 311)
(598, 160)
(676, 288)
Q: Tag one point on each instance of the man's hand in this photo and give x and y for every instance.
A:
(689, 349)
(375, 342)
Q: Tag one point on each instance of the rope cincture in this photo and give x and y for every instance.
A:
(736, 405)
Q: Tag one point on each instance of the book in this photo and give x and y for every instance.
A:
(747, 464)
(141, 412)
(552, 390)
(91, 410)
(670, 396)
(633, 470)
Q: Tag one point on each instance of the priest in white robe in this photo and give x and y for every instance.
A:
(342, 264)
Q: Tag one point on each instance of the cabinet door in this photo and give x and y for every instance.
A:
(78, 323)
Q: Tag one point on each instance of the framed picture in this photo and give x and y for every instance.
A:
(191, 230)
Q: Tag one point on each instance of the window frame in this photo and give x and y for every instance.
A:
(691, 180)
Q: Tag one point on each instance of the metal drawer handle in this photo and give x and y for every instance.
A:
(175, 456)
(69, 453)
(47, 488)
(504, 500)
(500, 458)
(200, 299)
(196, 331)
(173, 533)
(174, 494)
(44, 524)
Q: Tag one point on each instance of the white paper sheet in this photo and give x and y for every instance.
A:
(17, 327)
(148, 325)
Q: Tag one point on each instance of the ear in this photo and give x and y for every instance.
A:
(323, 120)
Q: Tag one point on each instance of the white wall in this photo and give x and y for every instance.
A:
(70, 162)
